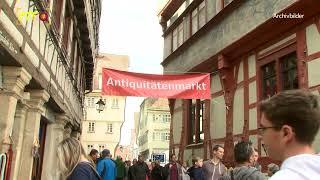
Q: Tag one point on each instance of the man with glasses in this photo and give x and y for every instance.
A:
(289, 123)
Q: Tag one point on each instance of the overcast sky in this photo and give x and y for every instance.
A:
(131, 27)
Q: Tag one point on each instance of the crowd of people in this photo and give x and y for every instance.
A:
(289, 123)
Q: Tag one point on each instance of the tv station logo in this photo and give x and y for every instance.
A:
(31, 14)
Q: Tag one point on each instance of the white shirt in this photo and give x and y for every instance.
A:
(299, 167)
(185, 176)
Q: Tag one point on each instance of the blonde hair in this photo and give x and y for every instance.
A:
(196, 159)
(69, 155)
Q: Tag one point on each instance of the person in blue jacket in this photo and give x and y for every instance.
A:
(106, 167)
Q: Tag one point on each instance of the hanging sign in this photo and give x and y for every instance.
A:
(185, 86)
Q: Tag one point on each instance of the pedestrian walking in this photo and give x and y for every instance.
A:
(130, 171)
(172, 170)
(127, 166)
(214, 168)
(106, 167)
(184, 169)
(73, 162)
(156, 172)
(255, 157)
(196, 171)
(121, 169)
(94, 155)
(140, 170)
(243, 152)
(289, 123)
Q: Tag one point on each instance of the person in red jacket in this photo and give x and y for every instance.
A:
(172, 170)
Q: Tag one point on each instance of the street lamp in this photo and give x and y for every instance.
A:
(100, 105)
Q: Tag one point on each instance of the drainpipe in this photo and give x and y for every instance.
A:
(115, 149)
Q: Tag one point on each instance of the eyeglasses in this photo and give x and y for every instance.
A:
(261, 130)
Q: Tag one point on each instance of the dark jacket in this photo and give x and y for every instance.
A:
(156, 173)
(244, 173)
(196, 173)
(121, 168)
(84, 171)
(130, 173)
(139, 171)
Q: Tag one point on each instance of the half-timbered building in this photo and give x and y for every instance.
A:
(253, 49)
(47, 51)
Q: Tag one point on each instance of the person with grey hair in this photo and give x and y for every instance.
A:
(272, 169)
(73, 162)
(243, 151)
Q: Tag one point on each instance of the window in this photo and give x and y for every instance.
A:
(289, 72)
(154, 117)
(167, 136)
(109, 128)
(156, 136)
(37, 168)
(115, 104)
(195, 121)
(88, 100)
(201, 117)
(89, 148)
(175, 39)
(72, 52)
(284, 77)
(180, 34)
(161, 118)
(101, 148)
(76, 60)
(66, 28)
(91, 102)
(158, 117)
(99, 81)
(163, 136)
(194, 21)
(192, 119)
(202, 14)
(269, 85)
(166, 118)
(57, 13)
(198, 17)
(91, 127)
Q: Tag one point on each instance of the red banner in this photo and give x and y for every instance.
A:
(186, 86)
